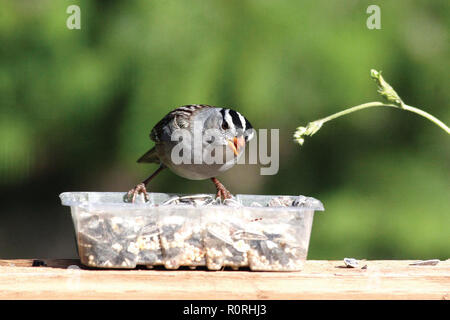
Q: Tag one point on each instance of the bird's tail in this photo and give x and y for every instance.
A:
(150, 156)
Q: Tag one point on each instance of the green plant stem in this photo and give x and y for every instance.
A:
(386, 91)
(380, 104)
(428, 116)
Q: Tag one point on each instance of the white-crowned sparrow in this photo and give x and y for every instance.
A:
(231, 132)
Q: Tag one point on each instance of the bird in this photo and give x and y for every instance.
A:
(226, 132)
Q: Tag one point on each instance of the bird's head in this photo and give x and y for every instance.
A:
(236, 129)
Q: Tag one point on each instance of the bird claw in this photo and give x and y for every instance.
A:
(223, 193)
(130, 196)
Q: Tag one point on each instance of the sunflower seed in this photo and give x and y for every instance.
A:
(351, 263)
(432, 262)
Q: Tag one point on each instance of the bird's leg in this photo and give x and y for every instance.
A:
(221, 190)
(140, 188)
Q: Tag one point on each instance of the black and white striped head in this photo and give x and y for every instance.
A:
(236, 124)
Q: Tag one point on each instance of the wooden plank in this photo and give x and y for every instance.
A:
(318, 280)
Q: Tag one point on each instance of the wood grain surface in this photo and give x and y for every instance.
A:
(67, 279)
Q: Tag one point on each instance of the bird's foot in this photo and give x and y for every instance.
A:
(131, 195)
(222, 192)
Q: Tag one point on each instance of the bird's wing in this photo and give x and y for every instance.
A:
(162, 131)
(176, 119)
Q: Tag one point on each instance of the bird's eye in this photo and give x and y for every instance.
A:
(225, 125)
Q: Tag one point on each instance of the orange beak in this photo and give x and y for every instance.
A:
(236, 144)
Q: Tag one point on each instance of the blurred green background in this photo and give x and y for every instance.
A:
(77, 107)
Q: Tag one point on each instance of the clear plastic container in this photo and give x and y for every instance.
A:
(266, 233)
